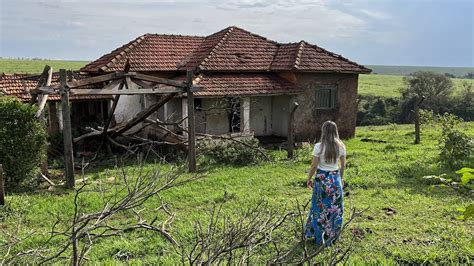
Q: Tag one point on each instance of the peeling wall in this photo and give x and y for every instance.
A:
(308, 120)
(280, 113)
(261, 115)
(216, 118)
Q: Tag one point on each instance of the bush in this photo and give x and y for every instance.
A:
(22, 141)
(244, 151)
(377, 110)
(455, 145)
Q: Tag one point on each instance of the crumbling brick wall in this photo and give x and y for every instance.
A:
(308, 119)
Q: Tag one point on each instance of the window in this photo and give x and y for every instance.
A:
(198, 104)
(326, 96)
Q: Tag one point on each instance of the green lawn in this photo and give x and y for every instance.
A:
(36, 66)
(390, 85)
(380, 175)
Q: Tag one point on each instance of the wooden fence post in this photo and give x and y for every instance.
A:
(191, 121)
(416, 110)
(2, 187)
(290, 143)
(67, 134)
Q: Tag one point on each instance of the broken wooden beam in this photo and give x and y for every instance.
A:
(159, 90)
(112, 109)
(93, 80)
(191, 126)
(44, 98)
(143, 115)
(41, 82)
(67, 134)
(171, 82)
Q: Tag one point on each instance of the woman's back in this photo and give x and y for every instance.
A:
(325, 164)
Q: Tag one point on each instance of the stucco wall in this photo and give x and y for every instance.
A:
(127, 107)
(261, 115)
(280, 109)
(216, 117)
(308, 120)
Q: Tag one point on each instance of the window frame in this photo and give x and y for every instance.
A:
(333, 96)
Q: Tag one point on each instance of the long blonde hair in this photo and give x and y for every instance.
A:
(330, 141)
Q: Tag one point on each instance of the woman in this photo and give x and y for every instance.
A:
(325, 217)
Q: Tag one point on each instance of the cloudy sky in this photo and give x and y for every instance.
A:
(393, 32)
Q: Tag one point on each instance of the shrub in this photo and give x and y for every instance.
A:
(22, 140)
(455, 145)
(244, 151)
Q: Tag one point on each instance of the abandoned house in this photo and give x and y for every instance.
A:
(248, 84)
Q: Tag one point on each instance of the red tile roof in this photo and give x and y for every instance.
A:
(228, 84)
(231, 49)
(150, 52)
(314, 58)
(285, 56)
(19, 85)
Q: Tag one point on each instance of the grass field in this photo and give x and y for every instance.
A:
(36, 66)
(380, 175)
(389, 85)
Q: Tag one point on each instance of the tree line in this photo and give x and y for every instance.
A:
(437, 91)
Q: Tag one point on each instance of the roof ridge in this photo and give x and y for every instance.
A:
(174, 35)
(298, 54)
(214, 50)
(124, 51)
(257, 35)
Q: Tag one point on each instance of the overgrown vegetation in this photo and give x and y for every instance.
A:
(235, 151)
(407, 220)
(455, 145)
(22, 141)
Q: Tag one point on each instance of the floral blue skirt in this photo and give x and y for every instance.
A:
(324, 222)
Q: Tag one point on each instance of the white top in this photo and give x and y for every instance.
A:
(323, 165)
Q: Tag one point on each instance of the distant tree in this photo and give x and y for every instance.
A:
(435, 88)
(469, 75)
(449, 75)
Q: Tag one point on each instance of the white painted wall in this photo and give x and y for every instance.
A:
(261, 115)
(216, 118)
(280, 112)
(128, 106)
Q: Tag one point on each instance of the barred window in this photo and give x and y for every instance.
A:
(326, 96)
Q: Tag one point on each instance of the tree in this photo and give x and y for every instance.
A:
(436, 88)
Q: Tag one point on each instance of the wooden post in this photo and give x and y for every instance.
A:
(290, 143)
(67, 134)
(416, 110)
(2, 187)
(191, 126)
(40, 112)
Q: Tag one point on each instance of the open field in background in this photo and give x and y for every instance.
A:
(36, 66)
(389, 85)
(380, 175)
(405, 70)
